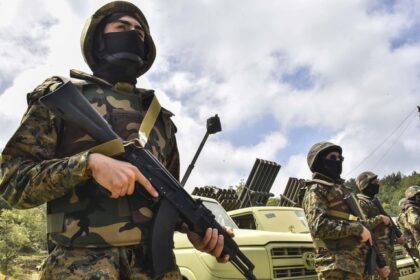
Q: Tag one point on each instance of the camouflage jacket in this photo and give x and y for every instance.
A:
(337, 240)
(46, 161)
(409, 220)
(381, 232)
(373, 221)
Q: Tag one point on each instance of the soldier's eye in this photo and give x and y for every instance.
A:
(336, 157)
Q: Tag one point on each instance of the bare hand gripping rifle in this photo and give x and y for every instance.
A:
(395, 231)
(375, 257)
(174, 202)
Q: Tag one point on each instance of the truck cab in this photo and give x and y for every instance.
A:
(276, 255)
(271, 218)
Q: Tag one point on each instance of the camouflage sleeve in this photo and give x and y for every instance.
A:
(405, 229)
(321, 224)
(29, 173)
(400, 222)
(371, 220)
(413, 218)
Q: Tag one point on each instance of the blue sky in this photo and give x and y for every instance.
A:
(282, 75)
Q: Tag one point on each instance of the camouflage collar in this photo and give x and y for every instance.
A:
(412, 205)
(146, 94)
(120, 86)
(321, 177)
(124, 87)
(77, 74)
(364, 197)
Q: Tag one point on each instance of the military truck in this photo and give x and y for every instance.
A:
(276, 255)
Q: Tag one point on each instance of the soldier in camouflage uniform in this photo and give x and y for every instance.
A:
(93, 234)
(409, 217)
(368, 184)
(405, 227)
(339, 239)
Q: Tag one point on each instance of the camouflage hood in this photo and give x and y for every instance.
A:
(92, 24)
(411, 191)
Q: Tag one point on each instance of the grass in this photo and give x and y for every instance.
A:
(27, 266)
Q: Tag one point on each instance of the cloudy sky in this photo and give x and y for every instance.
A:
(282, 75)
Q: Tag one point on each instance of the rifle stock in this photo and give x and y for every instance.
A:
(395, 231)
(68, 103)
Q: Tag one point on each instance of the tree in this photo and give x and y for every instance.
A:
(20, 231)
(392, 189)
(351, 183)
(273, 201)
(13, 237)
(239, 187)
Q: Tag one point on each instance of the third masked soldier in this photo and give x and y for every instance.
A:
(409, 218)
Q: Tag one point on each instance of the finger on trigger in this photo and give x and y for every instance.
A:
(131, 187)
(114, 195)
(145, 183)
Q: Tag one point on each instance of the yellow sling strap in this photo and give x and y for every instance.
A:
(343, 215)
(149, 121)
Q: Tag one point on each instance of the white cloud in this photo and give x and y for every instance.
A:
(222, 164)
(295, 167)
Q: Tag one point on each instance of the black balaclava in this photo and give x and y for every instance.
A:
(119, 55)
(371, 190)
(329, 168)
(416, 199)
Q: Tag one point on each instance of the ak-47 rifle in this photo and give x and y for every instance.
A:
(375, 257)
(174, 202)
(395, 231)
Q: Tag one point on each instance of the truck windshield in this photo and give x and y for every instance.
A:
(219, 212)
(283, 220)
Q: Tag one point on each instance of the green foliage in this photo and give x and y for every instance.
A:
(21, 232)
(240, 186)
(273, 201)
(352, 184)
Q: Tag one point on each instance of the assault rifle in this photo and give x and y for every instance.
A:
(375, 257)
(173, 203)
(395, 231)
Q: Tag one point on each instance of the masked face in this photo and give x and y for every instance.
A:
(332, 165)
(417, 199)
(371, 190)
(122, 50)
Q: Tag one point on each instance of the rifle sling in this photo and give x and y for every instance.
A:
(149, 121)
(342, 243)
(342, 215)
